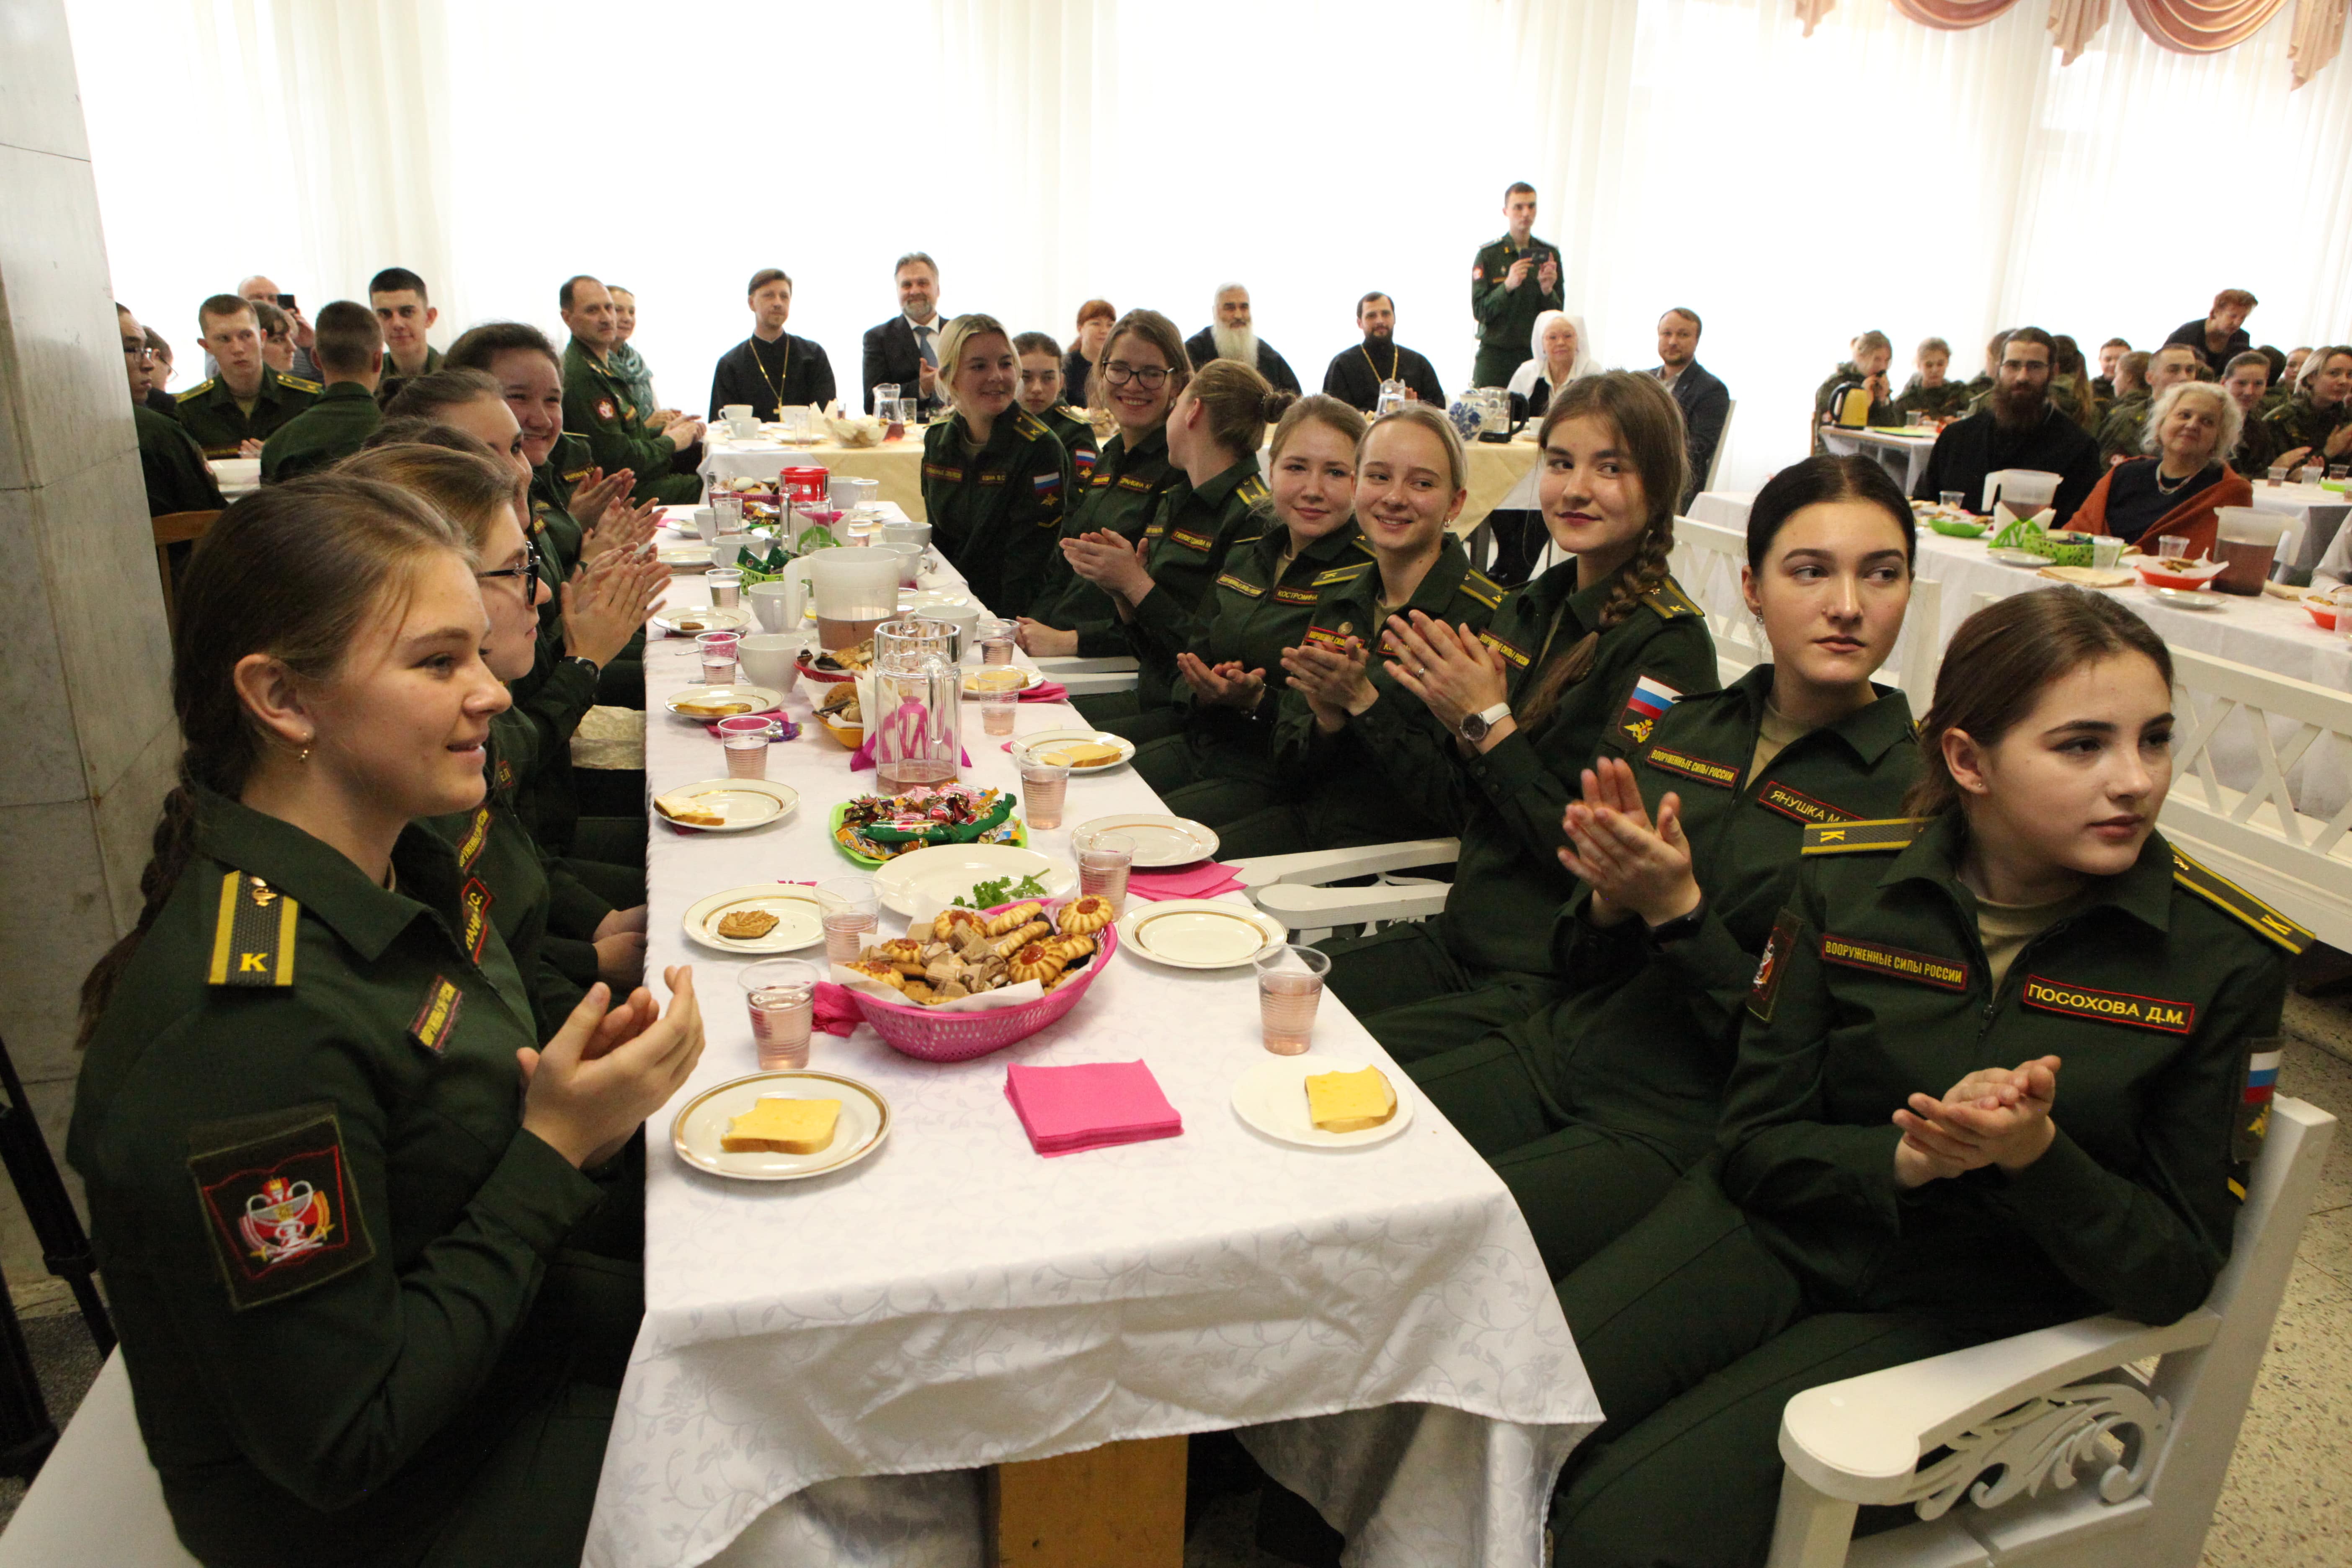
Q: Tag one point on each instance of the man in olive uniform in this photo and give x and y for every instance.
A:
(231, 414)
(404, 315)
(1356, 372)
(2111, 354)
(2119, 436)
(1514, 279)
(597, 405)
(177, 479)
(348, 348)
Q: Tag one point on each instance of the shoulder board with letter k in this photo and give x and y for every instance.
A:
(1857, 837)
(2233, 899)
(252, 938)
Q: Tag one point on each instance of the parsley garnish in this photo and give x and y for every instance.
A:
(988, 895)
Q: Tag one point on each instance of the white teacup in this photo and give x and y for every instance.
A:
(769, 658)
(706, 523)
(771, 603)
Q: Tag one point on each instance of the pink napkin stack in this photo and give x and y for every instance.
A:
(1090, 1105)
(1205, 880)
(1044, 691)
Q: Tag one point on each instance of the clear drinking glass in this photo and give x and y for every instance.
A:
(1956, 499)
(1043, 787)
(747, 753)
(995, 638)
(2106, 550)
(1104, 860)
(782, 995)
(852, 911)
(2277, 476)
(1289, 983)
(1000, 697)
(726, 586)
(2175, 545)
(727, 507)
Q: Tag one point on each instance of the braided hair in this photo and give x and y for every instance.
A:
(293, 571)
(1649, 429)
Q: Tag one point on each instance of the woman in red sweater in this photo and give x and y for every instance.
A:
(2178, 489)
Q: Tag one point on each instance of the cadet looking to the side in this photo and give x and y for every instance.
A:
(1928, 390)
(245, 401)
(2004, 1064)
(340, 1270)
(1591, 1109)
(1584, 659)
(1041, 394)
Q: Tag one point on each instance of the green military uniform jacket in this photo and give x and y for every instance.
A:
(1507, 317)
(2257, 448)
(322, 435)
(1883, 411)
(995, 513)
(2162, 999)
(388, 387)
(1076, 435)
(2119, 436)
(535, 736)
(1643, 1037)
(552, 484)
(1950, 401)
(1506, 804)
(1348, 800)
(2298, 423)
(597, 406)
(177, 479)
(321, 1223)
(1117, 492)
(209, 413)
(1188, 534)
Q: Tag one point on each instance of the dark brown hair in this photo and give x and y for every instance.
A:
(345, 338)
(1036, 344)
(426, 395)
(1825, 479)
(1998, 663)
(1159, 332)
(293, 571)
(478, 348)
(471, 491)
(1240, 403)
(765, 276)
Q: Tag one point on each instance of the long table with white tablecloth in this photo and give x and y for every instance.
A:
(1377, 1320)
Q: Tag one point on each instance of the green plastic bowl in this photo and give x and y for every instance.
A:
(1953, 529)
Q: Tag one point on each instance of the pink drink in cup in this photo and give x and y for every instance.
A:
(1044, 786)
(747, 753)
(999, 696)
(782, 995)
(852, 914)
(1289, 984)
(1104, 860)
(717, 651)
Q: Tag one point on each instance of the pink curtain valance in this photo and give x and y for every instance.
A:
(2202, 27)
(1953, 14)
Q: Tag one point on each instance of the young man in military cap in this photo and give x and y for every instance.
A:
(404, 314)
(231, 414)
(349, 347)
(1356, 374)
(1514, 279)
(597, 404)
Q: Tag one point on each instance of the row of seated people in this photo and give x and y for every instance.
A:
(1759, 998)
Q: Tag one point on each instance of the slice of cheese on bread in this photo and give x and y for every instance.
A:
(690, 810)
(779, 1126)
(1349, 1101)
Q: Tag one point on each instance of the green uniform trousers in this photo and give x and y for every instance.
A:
(1406, 986)
(531, 1499)
(1119, 713)
(1696, 1336)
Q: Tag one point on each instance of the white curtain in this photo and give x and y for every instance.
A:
(1792, 190)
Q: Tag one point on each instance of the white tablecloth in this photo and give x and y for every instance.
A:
(956, 1300)
(896, 465)
(1904, 457)
(2316, 537)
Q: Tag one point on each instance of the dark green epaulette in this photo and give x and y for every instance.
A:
(1484, 589)
(1364, 547)
(198, 391)
(1671, 603)
(1341, 576)
(253, 934)
(298, 384)
(1029, 426)
(2232, 900)
(1879, 833)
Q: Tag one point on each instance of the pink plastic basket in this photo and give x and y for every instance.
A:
(935, 1037)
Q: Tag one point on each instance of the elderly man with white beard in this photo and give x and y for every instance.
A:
(1231, 336)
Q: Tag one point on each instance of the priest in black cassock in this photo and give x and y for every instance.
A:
(771, 369)
(1356, 375)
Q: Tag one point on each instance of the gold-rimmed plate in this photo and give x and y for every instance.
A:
(864, 1122)
(693, 620)
(745, 804)
(721, 701)
(800, 919)
(1161, 841)
(1198, 934)
(1271, 1096)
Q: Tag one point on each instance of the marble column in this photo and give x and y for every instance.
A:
(87, 744)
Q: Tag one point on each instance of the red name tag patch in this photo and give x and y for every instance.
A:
(2109, 1007)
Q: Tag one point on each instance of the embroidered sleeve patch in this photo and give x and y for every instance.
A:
(1509, 650)
(1295, 595)
(477, 898)
(1721, 775)
(277, 1204)
(604, 409)
(435, 1021)
(2109, 1007)
(1047, 483)
(1800, 806)
(1323, 637)
(477, 835)
(1765, 987)
(943, 472)
(1922, 968)
(253, 936)
(2252, 1123)
(1650, 698)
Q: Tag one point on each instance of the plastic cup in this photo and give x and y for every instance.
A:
(782, 995)
(1289, 983)
(860, 531)
(719, 653)
(726, 586)
(852, 913)
(2175, 545)
(1043, 787)
(995, 638)
(2277, 476)
(1104, 860)
(2106, 550)
(1956, 499)
(1000, 697)
(747, 754)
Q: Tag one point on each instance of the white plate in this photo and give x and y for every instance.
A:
(2025, 558)
(1045, 740)
(1160, 841)
(945, 872)
(745, 804)
(706, 619)
(2188, 599)
(1198, 933)
(864, 1122)
(1272, 1097)
(678, 557)
(1029, 676)
(799, 922)
(761, 698)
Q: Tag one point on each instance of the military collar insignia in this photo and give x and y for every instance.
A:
(1894, 963)
(253, 934)
(2109, 1007)
(1855, 838)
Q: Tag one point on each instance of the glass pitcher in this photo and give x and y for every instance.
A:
(914, 720)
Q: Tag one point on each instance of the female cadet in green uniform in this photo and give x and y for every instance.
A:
(1411, 481)
(1584, 658)
(1159, 587)
(338, 1224)
(1220, 766)
(2315, 425)
(1591, 1109)
(2104, 1012)
(995, 480)
(1041, 393)
(1928, 392)
(1143, 370)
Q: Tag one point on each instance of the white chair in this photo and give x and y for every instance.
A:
(2017, 1419)
(1708, 559)
(1290, 887)
(1090, 676)
(97, 1503)
(1722, 439)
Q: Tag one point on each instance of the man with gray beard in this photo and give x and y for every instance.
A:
(1231, 336)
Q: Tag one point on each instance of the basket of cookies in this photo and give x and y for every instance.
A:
(978, 980)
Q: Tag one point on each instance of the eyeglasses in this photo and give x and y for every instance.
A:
(141, 350)
(525, 574)
(1118, 373)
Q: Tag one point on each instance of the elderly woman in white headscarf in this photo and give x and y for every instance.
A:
(1563, 352)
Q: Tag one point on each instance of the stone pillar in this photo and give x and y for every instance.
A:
(87, 744)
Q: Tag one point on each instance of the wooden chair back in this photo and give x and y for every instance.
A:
(176, 528)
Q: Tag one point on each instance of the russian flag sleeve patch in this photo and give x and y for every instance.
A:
(1650, 698)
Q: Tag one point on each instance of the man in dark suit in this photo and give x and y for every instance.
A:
(905, 350)
(1705, 401)
(1232, 337)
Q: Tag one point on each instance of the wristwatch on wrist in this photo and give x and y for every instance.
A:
(1682, 925)
(595, 670)
(1474, 726)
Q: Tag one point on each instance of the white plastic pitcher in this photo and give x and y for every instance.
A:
(851, 591)
(2246, 544)
(2027, 490)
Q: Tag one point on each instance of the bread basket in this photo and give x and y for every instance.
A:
(932, 1035)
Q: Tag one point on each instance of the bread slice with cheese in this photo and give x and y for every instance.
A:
(779, 1126)
(689, 809)
(1349, 1101)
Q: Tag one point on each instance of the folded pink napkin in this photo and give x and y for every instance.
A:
(1205, 880)
(1046, 691)
(1089, 1106)
(836, 1008)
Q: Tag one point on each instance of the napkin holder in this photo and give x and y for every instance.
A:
(2034, 536)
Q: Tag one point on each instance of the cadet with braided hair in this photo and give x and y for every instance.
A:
(1580, 662)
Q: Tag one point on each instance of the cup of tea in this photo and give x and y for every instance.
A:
(1289, 984)
(782, 995)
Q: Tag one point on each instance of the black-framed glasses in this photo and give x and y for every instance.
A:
(525, 574)
(1118, 373)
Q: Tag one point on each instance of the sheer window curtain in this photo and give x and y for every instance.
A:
(1793, 190)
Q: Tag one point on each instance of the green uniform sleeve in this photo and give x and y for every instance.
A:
(1164, 626)
(1419, 760)
(1488, 297)
(610, 445)
(573, 909)
(540, 723)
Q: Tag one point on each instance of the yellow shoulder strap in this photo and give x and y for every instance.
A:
(253, 935)
(2233, 899)
(1879, 833)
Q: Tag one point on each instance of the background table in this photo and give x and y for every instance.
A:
(1905, 457)
(898, 465)
(2318, 516)
(1379, 1320)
